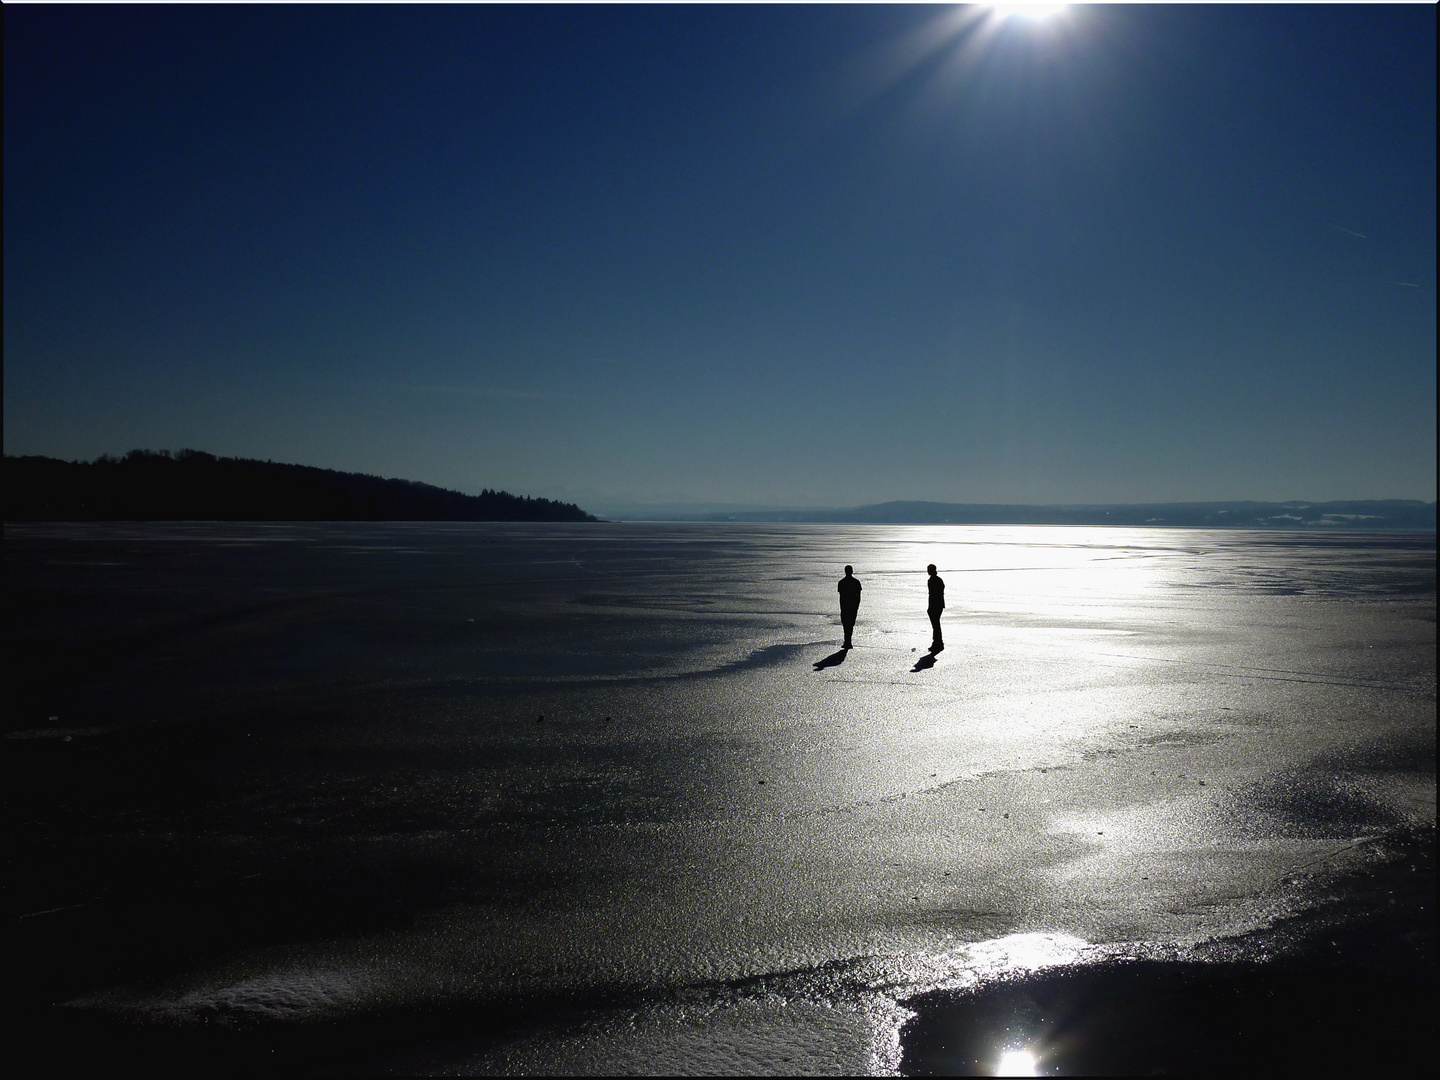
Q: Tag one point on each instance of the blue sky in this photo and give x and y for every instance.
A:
(762, 255)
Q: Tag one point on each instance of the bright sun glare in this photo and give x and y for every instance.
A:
(1016, 1063)
(1028, 11)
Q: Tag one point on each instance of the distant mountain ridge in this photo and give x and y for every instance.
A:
(191, 485)
(1348, 514)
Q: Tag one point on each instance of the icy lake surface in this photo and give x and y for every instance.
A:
(302, 769)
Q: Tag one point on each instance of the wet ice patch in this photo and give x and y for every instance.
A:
(842, 1018)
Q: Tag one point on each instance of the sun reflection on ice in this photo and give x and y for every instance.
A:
(1023, 953)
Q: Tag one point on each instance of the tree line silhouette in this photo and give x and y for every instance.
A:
(191, 485)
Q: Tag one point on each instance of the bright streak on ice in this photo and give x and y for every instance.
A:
(1024, 953)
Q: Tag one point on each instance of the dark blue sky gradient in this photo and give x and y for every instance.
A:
(762, 255)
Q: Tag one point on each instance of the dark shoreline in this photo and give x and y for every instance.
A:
(191, 485)
(1348, 983)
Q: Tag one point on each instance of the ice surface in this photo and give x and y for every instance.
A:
(326, 740)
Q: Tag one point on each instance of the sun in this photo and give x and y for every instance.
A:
(1016, 1063)
(1033, 12)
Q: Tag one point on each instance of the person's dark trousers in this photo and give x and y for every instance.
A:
(935, 626)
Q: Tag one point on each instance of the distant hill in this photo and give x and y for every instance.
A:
(190, 485)
(1357, 514)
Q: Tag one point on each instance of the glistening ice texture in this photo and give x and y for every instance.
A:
(328, 739)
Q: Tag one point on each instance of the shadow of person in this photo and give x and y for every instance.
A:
(832, 660)
(926, 661)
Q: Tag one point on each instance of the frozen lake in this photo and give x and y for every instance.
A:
(298, 772)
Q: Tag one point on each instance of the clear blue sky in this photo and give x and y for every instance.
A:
(765, 255)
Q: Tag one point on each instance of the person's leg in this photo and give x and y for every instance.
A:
(935, 626)
(848, 621)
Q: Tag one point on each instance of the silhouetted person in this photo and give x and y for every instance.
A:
(849, 589)
(937, 605)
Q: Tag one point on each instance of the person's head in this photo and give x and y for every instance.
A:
(930, 569)
(849, 570)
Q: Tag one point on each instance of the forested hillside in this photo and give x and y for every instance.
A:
(191, 485)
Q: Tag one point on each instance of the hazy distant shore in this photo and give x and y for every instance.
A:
(195, 486)
(1370, 514)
